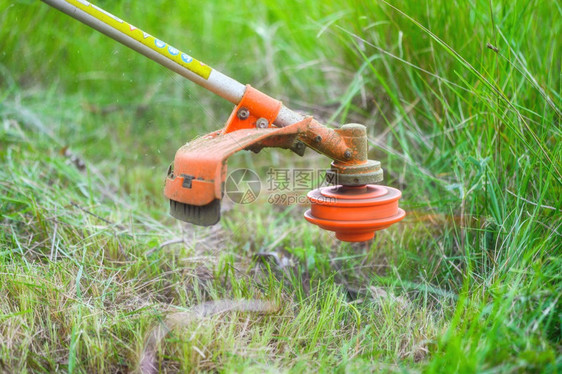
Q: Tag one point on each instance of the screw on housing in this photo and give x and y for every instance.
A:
(262, 123)
(243, 113)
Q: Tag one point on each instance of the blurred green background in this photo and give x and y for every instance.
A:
(462, 101)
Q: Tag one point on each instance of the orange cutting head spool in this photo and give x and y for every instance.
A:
(356, 207)
(354, 213)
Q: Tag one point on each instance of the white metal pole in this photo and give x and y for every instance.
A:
(161, 52)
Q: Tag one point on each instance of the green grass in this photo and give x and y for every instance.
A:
(91, 264)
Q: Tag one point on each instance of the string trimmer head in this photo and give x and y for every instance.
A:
(354, 208)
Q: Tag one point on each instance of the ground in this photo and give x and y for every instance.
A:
(462, 103)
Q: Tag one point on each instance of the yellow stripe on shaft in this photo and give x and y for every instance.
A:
(148, 40)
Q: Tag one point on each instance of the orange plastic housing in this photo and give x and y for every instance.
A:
(258, 105)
